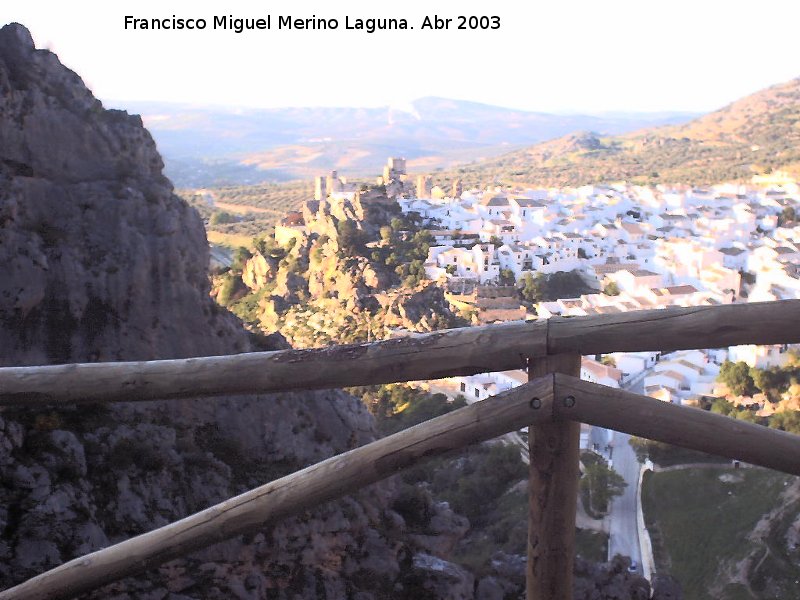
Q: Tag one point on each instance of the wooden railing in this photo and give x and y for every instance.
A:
(553, 404)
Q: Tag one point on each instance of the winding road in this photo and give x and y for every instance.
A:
(624, 534)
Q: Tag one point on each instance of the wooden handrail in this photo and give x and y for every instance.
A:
(330, 479)
(695, 327)
(683, 426)
(430, 356)
(435, 355)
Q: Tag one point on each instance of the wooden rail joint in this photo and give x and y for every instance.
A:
(693, 428)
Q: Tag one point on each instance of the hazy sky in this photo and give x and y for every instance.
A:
(548, 55)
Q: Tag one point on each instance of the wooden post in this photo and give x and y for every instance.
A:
(553, 493)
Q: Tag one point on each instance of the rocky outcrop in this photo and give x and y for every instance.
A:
(608, 580)
(80, 479)
(422, 309)
(101, 260)
(258, 271)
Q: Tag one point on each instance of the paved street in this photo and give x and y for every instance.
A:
(624, 536)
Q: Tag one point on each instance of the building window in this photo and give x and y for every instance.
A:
(463, 387)
(477, 393)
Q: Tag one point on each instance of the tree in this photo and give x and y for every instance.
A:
(770, 381)
(721, 406)
(602, 483)
(608, 361)
(228, 289)
(533, 287)
(507, 277)
(641, 446)
(240, 256)
(221, 217)
(788, 215)
(747, 415)
(788, 420)
(611, 289)
(737, 377)
(495, 241)
(351, 238)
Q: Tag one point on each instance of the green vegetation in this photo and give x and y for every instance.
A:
(351, 239)
(398, 406)
(591, 545)
(227, 289)
(239, 214)
(611, 289)
(228, 240)
(737, 377)
(220, 217)
(507, 277)
(703, 525)
(532, 287)
(599, 484)
(546, 288)
(272, 200)
(608, 361)
(788, 215)
(666, 455)
(404, 248)
(774, 382)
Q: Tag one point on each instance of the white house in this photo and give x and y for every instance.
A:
(596, 372)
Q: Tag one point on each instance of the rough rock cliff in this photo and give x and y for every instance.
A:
(101, 260)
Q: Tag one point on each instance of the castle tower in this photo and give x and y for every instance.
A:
(397, 165)
(334, 183)
(423, 186)
(320, 188)
(458, 189)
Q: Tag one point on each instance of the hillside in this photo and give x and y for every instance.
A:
(747, 519)
(756, 134)
(206, 146)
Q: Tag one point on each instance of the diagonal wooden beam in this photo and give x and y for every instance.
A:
(306, 489)
(678, 425)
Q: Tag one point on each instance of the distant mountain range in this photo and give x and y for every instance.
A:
(755, 135)
(204, 146)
